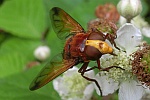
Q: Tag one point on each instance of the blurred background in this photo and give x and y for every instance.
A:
(25, 25)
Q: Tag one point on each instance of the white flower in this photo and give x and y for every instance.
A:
(72, 86)
(140, 23)
(128, 38)
(42, 53)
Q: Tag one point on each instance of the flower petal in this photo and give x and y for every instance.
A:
(107, 85)
(128, 37)
(60, 88)
(148, 90)
(130, 90)
(71, 71)
(146, 31)
(90, 74)
(88, 92)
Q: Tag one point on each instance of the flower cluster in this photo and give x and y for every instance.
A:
(71, 86)
(133, 58)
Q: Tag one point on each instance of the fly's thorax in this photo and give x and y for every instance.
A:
(75, 46)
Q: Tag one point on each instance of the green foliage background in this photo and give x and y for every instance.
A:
(22, 23)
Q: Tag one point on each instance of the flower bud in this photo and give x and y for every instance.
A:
(42, 53)
(129, 8)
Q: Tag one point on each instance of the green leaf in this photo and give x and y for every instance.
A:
(23, 18)
(11, 63)
(16, 87)
(145, 7)
(146, 39)
(2, 36)
(15, 54)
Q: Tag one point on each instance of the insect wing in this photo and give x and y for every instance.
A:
(63, 24)
(53, 69)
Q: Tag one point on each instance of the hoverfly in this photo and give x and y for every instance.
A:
(80, 47)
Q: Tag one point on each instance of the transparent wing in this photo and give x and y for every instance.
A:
(63, 24)
(53, 69)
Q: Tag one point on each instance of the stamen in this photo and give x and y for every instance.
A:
(141, 64)
(121, 60)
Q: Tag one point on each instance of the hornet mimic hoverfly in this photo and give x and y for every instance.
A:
(80, 47)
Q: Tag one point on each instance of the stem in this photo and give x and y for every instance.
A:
(128, 20)
(44, 34)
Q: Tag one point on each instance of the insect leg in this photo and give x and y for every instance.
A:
(84, 69)
(111, 39)
(115, 45)
(98, 63)
(108, 68)
(102, 69)
(91, 68)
